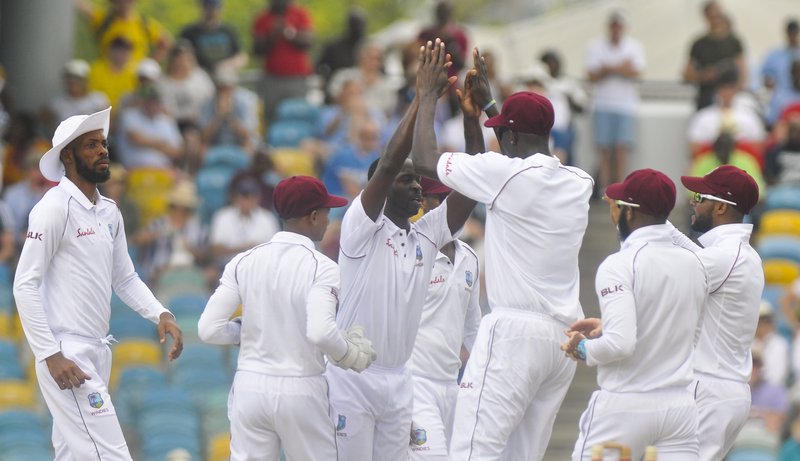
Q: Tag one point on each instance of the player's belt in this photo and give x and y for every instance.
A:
(106, 341)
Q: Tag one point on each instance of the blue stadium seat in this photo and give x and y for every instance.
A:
(199, 356)
(168, 400)
(19, 420)
(773, 294)
(133, 326)
(751, 454)
(28, 453)
(232, 156)
(779, 247)
(297, 109)
(212, 187)
(783, 197)
(6, 296)
(188, 304)
(289, 133)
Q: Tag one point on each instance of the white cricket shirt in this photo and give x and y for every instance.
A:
(450, 317)
(73, 256)
(385, 274)
(288, 292)
(735, 283)
(651, 295)
(614, 92)
(536, 214)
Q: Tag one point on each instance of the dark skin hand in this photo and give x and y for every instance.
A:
(167, 326)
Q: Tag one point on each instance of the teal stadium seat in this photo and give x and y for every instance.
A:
(297, 109)
(783, 197)
(289, 133)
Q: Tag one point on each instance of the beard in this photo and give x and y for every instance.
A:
(622, 226)
(701, 222)
(87, 173)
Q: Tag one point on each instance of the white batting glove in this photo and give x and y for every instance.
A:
(360, 353)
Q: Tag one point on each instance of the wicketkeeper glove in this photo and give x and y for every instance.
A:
(360, 353)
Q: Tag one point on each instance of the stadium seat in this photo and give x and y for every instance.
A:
(232, 156)
(6, 297)
(780, 271)
(779, 247)
(298, 109)
(219, 447)
(200, 356)
(780, 222)
(187, 304)
(751, 454)
(178, 281)
(131, 326)
(212, 187)
(188, 325)
(289, 133)
(773, 294)
(783, 197)
(293, 162)
(17, 393)
(137, 352)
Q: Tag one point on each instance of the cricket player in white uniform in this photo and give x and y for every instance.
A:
(289, 293)
(75, 253)
(651, 295)
(386, 263)
(450, 319)
(537, 212)
(722, 358)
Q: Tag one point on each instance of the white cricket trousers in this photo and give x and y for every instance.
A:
(372, 412)
(664, 418)
(723, 407)
(432, 420)
(268, 413)
(85, 424)
(514, 383)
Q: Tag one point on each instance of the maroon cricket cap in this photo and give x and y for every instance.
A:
(652, 190)
(727, 182)
(300, 195)
(433, 187)
(525, 112)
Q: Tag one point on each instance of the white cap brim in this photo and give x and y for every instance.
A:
(50, 164)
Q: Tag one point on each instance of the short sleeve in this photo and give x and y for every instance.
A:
(358, 230)
(479, 177)
(433, 225)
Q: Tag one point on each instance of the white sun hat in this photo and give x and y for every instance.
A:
(50, 165)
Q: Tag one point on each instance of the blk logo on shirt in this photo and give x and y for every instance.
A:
(35, 235)
(611, 290)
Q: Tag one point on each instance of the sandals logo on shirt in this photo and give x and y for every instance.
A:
(85, 232)
(95, 400)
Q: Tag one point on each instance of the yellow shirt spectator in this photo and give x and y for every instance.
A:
(146, 34)
(113, 83)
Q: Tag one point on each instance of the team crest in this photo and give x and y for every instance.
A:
(110, 231)
(419, 437)
(340, 425)
(419, 255)
(469, 278)
(95, 400)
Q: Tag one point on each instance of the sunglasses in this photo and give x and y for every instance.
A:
(698, 198)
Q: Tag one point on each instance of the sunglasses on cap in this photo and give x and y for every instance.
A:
(621, 202)
(698, 198)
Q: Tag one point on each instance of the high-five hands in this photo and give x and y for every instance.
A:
(432, 76)
(588, 328)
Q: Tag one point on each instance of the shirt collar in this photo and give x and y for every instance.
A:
(739, 231)
(295, 238)
(76, 193)
(548, 160)
(653, 233)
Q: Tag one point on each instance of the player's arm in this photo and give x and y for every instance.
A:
(133, 292)
(215, 325)
(46, 226)
(390, 163)
(680, 239)
(618, 308)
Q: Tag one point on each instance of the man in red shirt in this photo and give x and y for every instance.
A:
(283, 35)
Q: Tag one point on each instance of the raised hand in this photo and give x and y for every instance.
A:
(432, 76)
(469, 106)
(481, 90)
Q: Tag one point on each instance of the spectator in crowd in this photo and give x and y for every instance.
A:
(116, 188)
(725, 152)
(20, 140)
(569, 99)
(376, 86)
(114, 74)
(790, 307)
(148, 73)
(351, 108)
(769, 401)
(262, 171)
(714, 53)
(23, 195)
(342, 52)
(773, 346)
(409, 58)
(283, 35)
(194, 148)
(729, 111)
(450, 32)
(8, 247)
(185, 86)
(776, 71)
(231, 117)
(148, 137)
(782, 161)
(346, 171)
(76, 98)
(241, 225)
(146, 35)
(216, 44)
(176, 239)
(615, 63)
